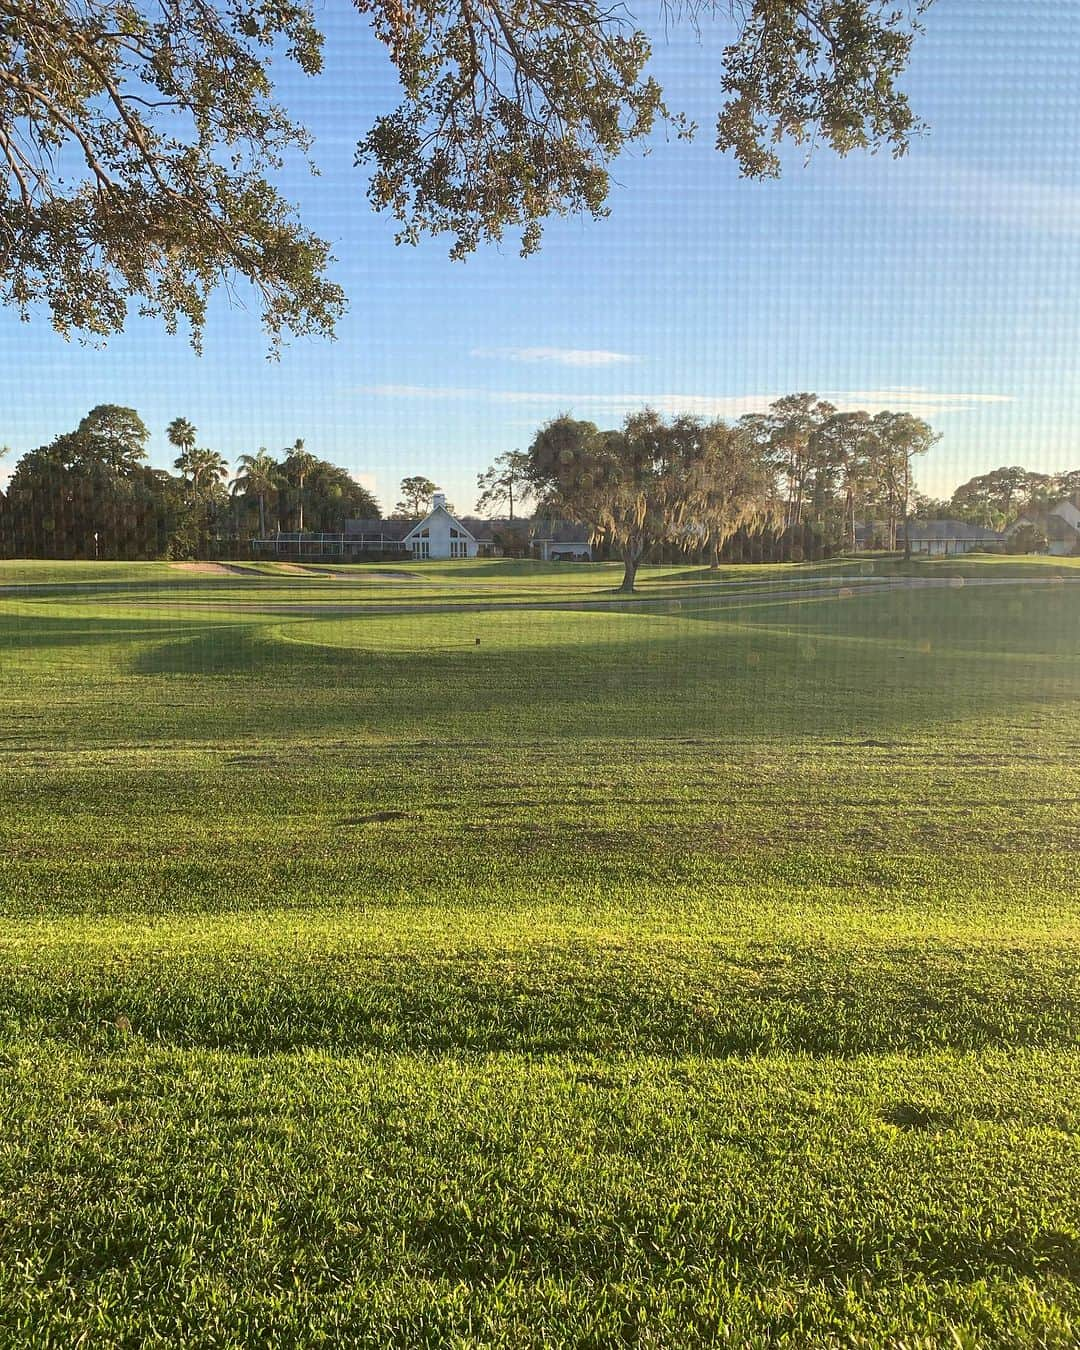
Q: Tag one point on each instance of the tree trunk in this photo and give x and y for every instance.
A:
(714, 562)
(630, 566)
(906, 510)
(262, 516)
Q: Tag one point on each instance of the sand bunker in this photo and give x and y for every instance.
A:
(208, 569)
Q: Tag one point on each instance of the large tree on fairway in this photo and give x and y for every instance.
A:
(505, 482)
(138, 142)
(259, 476)
(685, 482)
(896, 439)
(736, 488)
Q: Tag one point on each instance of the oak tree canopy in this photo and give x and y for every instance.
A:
(139, 139)
(685, 482)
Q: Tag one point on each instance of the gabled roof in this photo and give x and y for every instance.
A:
(436, 511)
(481, 530)
(1051, 522)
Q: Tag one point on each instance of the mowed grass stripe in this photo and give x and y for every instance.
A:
(563, 994)
(389, 1200)
(661, 975)
(714, 678)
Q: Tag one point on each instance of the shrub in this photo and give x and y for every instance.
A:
(1026, 538)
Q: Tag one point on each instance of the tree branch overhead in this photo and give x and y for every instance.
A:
(512, 111)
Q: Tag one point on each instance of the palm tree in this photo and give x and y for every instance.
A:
(300, 463)
(205, 465)
(204, 469)
(258, 477)
(181, 434)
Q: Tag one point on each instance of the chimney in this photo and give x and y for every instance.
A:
(439, 499)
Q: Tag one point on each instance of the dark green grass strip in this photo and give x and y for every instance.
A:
(566, 994)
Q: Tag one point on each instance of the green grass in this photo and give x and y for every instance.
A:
(701, 969)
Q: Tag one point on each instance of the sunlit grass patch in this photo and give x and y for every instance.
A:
(395, 1199)
(505, 630)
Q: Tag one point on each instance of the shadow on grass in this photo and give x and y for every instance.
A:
(863, 668)
(40, 634)
(771, 680)
(805, 1000)
(549, 1242)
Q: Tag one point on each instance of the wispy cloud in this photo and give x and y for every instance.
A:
(556, 356)
(913, 399)
(901, 398)
(1017, 203)
(987, 196)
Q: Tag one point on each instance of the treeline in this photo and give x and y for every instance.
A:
(91, 494)
(809, 477)
(833, 470)
(792, 482)
(999, 498)
(788, 482)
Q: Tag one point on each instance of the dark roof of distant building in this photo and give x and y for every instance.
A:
(923, 530)
(394, 528)
(561, 532)
(481, 530)
(951, 529)
(1057, 527)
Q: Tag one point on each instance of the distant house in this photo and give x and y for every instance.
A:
(1060, 524)
(933, 538)
(484, 532)
(561, 543)
(439, 535)
(938, 538)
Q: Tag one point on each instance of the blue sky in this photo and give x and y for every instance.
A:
(945, 283)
